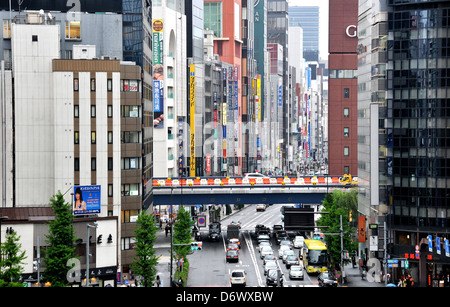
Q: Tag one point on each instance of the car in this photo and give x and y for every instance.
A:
(272, 264)
(260, 207)
(233, 246)
(269, 257)
(296, 271)
(282, 249)
(238, 223)
(327, 279)
(232, 255)
(238, 278)
(265, 250)
(291, 260)
(263, 237)
(255, 175)
(298, 241)
(273, 276)
(286, 254)
(286, 242)
(264, 243)
(235, 241)
(282, 235)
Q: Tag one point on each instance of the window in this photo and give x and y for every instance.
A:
(130, 163)
(93, 111)
(130, 189)
(130, 137)
(75, 84)
(110, 190)
(73, 29)
(6, 29)
(129, 111)
(213, 17)
(110, 137)
(93, 164)
(110, 111)
(346, 93)
(129, 215)
(129, 85)
(346, 170)
(346, 112)
(128, 243)
(68, 54)
(109, 85)
(93, 137)
(76, 137)
(346, 131)
(110, 164)
(346, 151)
(76, 111)
(92, 85)
(76, 164)
(34, 38)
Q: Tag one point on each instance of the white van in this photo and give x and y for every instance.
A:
(298, 241)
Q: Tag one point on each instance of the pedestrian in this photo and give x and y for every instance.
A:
(409, 281)
(158, 281)
(167, 229)
(447, 280)
(401, 282)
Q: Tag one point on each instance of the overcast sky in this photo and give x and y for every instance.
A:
(323, 22)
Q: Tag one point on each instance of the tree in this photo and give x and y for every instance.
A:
(146, 261)
(11, 261)
(336, 204)
(60, 242)
(182, 235)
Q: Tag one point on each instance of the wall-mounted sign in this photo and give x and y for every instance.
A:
(351, 31)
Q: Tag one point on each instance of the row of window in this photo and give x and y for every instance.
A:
(127, 137)
(126, 164)
(125, 85)
(125, 111)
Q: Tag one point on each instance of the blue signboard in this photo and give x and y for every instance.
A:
(86, 199)
(438, 245)
(430, 243)
(447, 250)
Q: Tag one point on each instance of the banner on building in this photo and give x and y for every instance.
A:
(158, 74)
(86, 200)
(362, 229)
(192, 116)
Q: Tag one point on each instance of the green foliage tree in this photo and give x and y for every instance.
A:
(182, 235)
(11, 261)
(60, 240)
(146, 260)
(336, 204)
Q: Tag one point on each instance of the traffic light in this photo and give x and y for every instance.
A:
(196, 246)
(99, 239)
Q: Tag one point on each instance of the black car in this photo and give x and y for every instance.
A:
(327, 279)
(273, 276)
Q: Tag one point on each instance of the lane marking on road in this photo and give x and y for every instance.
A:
(249, 243)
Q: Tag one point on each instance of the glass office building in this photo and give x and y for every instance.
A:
(308, 18)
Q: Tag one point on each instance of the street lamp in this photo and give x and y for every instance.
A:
(87, 250)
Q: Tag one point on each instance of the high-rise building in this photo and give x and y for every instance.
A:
(342, 88)
(307, 17)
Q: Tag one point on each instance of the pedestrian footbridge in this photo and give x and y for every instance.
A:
(239, 190)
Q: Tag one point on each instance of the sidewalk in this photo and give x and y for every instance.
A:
(354, 278)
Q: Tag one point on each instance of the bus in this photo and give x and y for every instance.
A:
(315, 256)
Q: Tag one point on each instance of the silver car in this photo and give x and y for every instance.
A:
(265, 250)
(282, 250)
(296, 272)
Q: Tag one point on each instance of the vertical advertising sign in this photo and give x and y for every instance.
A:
(180, 147)
(158, 74)
(361, 229)
(192, 116)
(86, 200)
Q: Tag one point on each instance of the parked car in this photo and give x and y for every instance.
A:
(270, 265)
(273, 276)
(296, 271)
(298, 241)
(238, 278)
(327, 279)
(291, 260)
(232, 255)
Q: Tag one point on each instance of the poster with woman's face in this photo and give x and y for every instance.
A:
(86, 200)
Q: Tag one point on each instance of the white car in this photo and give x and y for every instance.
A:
(237, 278)
(255, 175)
(265, 250)
(282, 249)
(296, 271)
(298, 241)
(261, 207)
